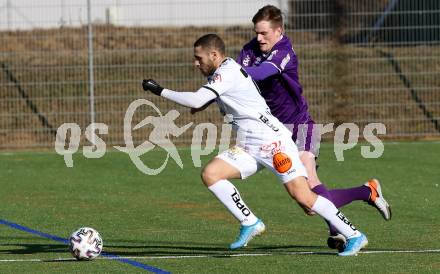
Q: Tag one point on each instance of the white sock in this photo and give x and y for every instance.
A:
(226, 192)
(328, 211)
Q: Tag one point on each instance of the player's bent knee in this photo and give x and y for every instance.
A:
(218, 169)
(210, 175)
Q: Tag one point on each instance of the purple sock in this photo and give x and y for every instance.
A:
(322, 190)
(344, 196)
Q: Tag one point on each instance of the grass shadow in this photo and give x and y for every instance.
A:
(29, 248)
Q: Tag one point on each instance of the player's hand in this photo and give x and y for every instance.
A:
(152, 86)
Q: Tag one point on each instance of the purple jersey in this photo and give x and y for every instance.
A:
(282, 91)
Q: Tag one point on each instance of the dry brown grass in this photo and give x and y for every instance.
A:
(342, 83)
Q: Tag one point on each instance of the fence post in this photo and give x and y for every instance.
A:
(90, 54)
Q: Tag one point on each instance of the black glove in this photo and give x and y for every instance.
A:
(152, 86)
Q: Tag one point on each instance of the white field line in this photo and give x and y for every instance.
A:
(224, 255)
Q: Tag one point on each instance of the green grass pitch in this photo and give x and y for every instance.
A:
(172, 222)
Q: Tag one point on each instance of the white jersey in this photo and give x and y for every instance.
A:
(260, 136)
(238, 96)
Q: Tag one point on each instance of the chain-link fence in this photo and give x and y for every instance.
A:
(360, 61)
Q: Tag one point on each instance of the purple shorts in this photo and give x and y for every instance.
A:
(306, 136)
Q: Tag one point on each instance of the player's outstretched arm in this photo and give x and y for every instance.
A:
(188, 99)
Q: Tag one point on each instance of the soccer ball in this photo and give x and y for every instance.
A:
(85, 244)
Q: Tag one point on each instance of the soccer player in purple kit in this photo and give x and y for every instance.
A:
(272, 62)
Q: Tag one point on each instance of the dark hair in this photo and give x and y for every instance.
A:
(211, 41)
(269, 13)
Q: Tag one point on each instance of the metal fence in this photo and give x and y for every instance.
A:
(360, 61)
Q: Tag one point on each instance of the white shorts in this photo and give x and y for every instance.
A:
(253, 158)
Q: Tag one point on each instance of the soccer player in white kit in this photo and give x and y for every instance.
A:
(262, 141)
